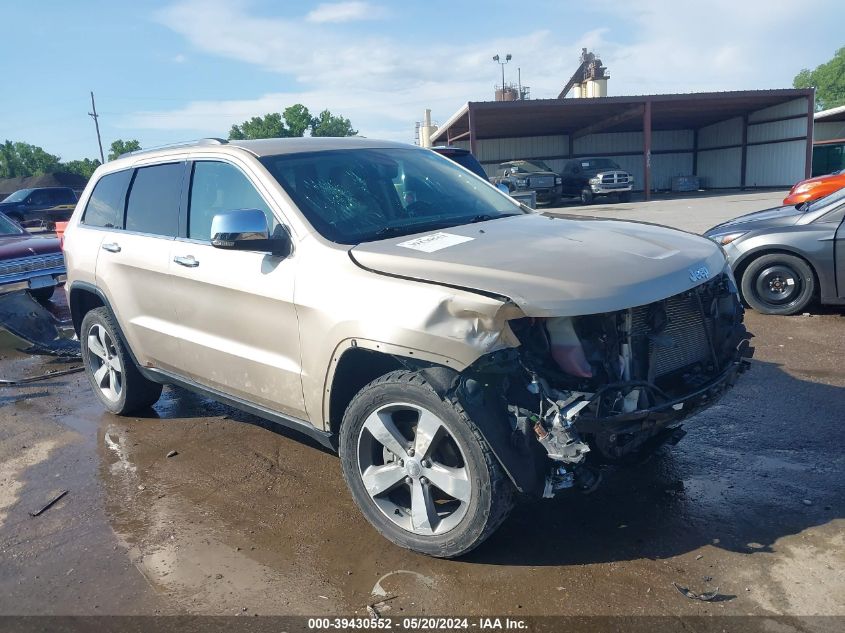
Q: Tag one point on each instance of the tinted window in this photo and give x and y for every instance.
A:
(469, 161)
(217, 187)
(105, 206)
(153, 205)
(63, 196)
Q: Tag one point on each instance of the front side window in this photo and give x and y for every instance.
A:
(218, 187)
(153, 205)
(107, 201)
(360, 195)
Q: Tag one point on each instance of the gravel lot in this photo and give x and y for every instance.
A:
(250, 520)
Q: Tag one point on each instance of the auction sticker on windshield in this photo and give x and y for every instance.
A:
(434, 242)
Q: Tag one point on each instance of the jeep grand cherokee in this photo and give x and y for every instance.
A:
(454, 348)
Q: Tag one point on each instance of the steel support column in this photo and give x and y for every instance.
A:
(695, 152)
(473, 140)
(743, 163)
(811, 109)
(647, 150)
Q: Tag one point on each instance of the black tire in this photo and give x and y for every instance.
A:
(625, 197)
(778, 284)
(587, 196)
(131, 391)
(490, 495)
(43, 295)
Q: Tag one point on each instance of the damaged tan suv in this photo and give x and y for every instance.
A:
(455, 348)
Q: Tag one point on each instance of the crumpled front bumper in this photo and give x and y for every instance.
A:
(667, 412)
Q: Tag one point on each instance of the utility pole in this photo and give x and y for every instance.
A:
(93, 114)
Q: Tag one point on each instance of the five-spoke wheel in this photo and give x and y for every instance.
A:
(419, 468)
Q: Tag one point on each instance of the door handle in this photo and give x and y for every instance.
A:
(188, 261)
(112, 247)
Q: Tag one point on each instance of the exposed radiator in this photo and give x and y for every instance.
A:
(683, 342)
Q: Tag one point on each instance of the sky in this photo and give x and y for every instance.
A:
(171, 70)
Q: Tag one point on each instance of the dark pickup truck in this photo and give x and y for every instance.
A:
(588, 178)
(41, 207)
(529, 175)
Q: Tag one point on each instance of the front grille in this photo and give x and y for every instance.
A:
(541, 181)
(615, 178)
(31, 264)
(683, 341)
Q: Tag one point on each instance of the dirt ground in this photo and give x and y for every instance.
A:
(249, 519)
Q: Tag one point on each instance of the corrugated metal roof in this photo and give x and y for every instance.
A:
(566, 116)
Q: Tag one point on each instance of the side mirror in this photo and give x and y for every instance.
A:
(247, 230)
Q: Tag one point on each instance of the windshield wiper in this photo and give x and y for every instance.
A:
(484, 217)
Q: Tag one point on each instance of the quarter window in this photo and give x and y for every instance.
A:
(153, 205)
(105, 206)
(218, 187)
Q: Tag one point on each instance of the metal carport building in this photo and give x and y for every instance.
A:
(759, 138)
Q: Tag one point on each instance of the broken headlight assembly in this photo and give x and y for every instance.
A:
(613, 387)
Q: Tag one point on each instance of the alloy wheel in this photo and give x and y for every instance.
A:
(413, 469)
(104, 362)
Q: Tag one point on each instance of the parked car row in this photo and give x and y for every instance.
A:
(582, 178)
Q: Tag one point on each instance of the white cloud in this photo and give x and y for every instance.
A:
(344, 12)
(179, 59)
(382, 83)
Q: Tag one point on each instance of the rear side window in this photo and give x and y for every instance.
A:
(64, 196)
(218, 187)
(153, 205)
(105, 206)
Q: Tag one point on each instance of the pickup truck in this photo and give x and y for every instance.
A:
(529, 175)
(41, 207)
(588, 178)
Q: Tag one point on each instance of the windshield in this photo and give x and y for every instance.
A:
(361, 195)
(529, 166)
(7, 227)
(18, 196)
(598, 163)
(816, 205)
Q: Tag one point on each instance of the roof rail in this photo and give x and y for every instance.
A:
(194, 143)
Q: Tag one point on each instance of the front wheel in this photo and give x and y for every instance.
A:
(586, 196)
(419, 469)
(778, 284)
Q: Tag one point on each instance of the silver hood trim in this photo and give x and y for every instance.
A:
(553, 266)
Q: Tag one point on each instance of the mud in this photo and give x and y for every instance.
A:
(251, 519)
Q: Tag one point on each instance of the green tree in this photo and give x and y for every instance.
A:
(120, 146)
(84, 167)
(293, 121)
(828, 80)
(298, 119)
(23, 159)
(267, 126)
(328, 124)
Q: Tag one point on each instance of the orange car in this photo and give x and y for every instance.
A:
(815, 188)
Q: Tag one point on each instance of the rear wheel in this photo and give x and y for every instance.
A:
(115, 379)
(419, 469)
(586, 196)
(778, 284)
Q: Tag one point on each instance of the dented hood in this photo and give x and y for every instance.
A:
(552, 266)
